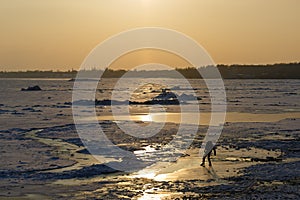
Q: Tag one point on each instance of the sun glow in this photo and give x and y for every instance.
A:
(146, 1)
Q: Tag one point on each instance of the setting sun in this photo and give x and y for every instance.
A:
(60, 34)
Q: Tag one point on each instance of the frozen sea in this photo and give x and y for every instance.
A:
(33, 109)
(42, 156)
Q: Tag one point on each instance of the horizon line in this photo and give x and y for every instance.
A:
(123, 69)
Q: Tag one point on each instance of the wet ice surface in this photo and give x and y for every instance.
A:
(43, 157)
(241, 146)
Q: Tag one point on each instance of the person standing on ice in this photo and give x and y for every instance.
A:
(209, 147)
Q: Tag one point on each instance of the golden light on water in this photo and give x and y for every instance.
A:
(204, 117)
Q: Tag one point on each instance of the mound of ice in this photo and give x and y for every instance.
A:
(165, 97)
(32, 88)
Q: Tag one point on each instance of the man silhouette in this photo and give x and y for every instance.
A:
(209, 147)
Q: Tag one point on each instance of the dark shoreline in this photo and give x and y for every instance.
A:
(275, 71)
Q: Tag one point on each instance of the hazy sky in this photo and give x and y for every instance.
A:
(58, 34)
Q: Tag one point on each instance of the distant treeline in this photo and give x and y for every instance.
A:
(38, 74)
(275, 71)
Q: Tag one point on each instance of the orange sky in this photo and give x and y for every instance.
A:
(59, 34)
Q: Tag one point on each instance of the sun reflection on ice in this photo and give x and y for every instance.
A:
(146, 118)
